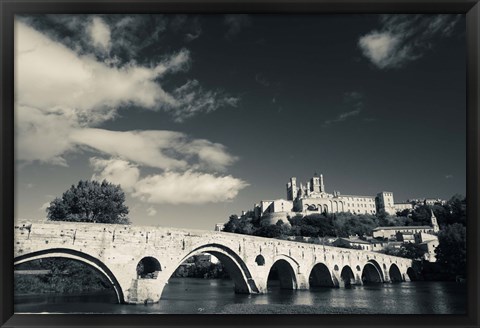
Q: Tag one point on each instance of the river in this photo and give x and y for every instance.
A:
(190, 295)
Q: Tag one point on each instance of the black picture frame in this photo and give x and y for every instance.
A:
(11, 7)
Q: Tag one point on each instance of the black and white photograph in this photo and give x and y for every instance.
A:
(240, 164)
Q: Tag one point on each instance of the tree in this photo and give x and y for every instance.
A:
(232, 224)
(277, 230)
(457, 209)
(404, 213)
(421, 216)
(242, 225)
(90, 201)
(452, 249)
(412, 251)
(408, 250)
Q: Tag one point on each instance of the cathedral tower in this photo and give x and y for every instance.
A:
(292, 189)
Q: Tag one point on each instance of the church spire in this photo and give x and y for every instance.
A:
(433, 220)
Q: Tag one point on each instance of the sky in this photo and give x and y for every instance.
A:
(198, 117)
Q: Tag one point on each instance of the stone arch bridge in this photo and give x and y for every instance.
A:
(139, 260)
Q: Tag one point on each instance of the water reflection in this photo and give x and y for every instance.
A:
(188, 295)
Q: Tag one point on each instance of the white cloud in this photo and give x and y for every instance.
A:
(382, 48)
(100, 34)
(116, 171)
(143, 147)
(59, 92)
(165, 150)
(42, 135)
(81, 82)
(192, 99)
(151, 211)
(61, 95)
(211, 156)
(187, 188)
(404, 38)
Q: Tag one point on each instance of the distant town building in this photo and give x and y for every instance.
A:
(426, 201)
(400, 207)
(429, 247)
(392, 232)
(219, 226)
(353, 242)
(424, 236)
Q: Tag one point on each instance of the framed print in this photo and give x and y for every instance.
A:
(226, 163)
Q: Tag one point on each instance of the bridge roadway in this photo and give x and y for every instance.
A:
(139, 260)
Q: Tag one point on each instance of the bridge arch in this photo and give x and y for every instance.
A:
(148, 268)
(411, 274)
(347, 276)
(93, 262)
(320, 276)
(235, 266)
(375, 271)
(372, 272)
(284, 269)
(394, 273)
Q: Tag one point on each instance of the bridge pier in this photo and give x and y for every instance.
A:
(386, 276)
(144, 291)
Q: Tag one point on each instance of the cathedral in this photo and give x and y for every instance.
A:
(313, 198)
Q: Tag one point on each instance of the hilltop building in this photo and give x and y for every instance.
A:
(312, 197)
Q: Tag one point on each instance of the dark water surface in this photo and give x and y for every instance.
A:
(190, 295)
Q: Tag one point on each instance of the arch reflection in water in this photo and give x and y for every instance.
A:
(69, 254)
(372, 273)
(52, 277)
(320, 276)
(394, 273)
(347, 277)
(282, 275)
(231, 262)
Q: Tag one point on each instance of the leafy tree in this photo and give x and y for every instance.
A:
(421, 216)
(412, 251)
(452, 249)
(457, 210)
(231, 224)
(90, 201)
(382, 214)
(404, 213)
(242, 225)
(277, 230)
(408, 250)
(392, 221)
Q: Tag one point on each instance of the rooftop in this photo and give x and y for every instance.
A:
(402, 227)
